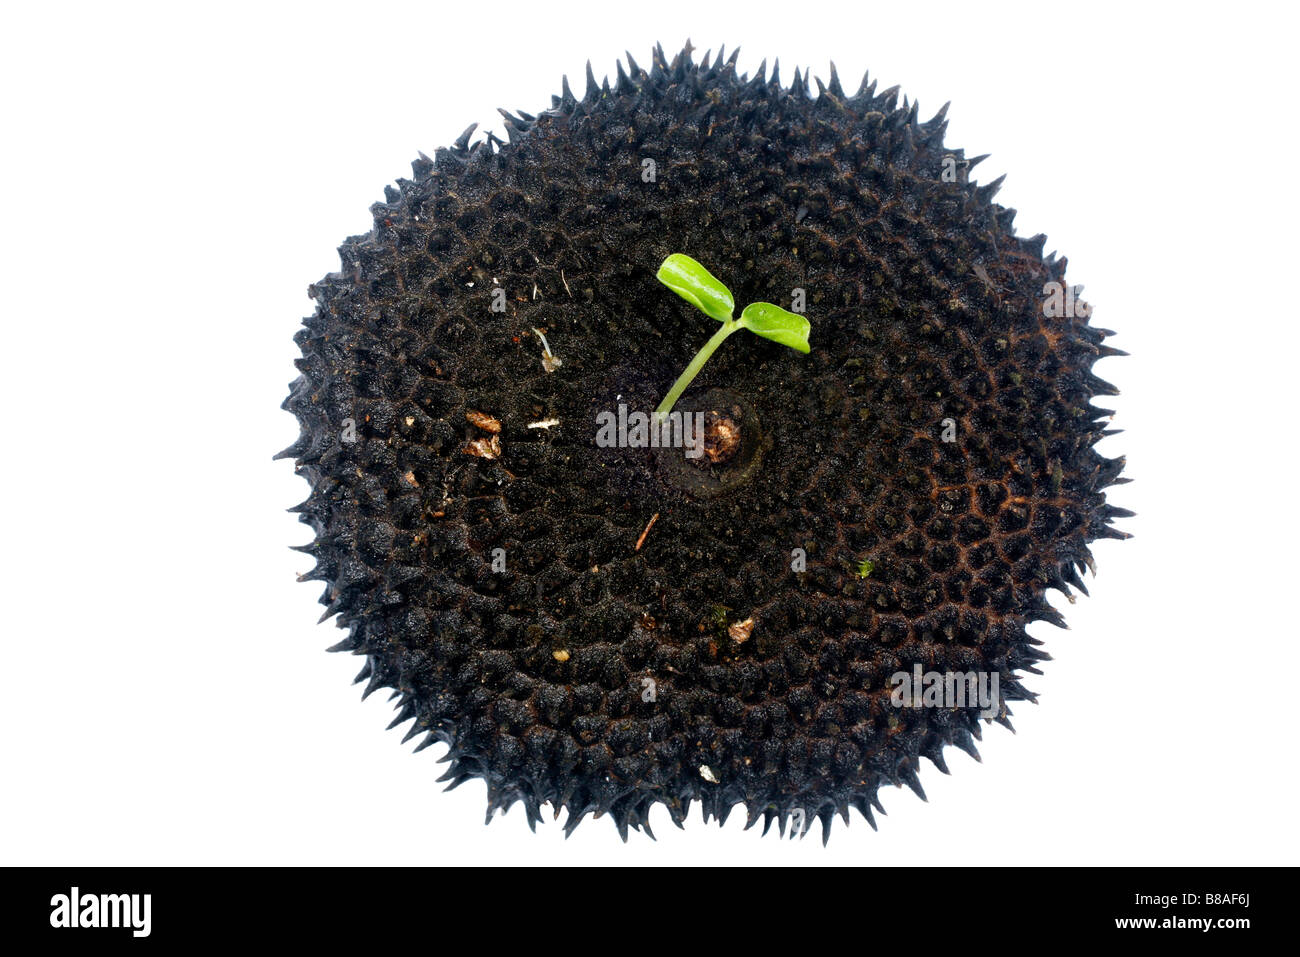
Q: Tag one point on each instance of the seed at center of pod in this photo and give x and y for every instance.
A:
(721, 436)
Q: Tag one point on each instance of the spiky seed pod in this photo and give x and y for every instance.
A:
(933, 456)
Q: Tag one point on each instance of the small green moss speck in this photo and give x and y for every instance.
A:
(865, 567)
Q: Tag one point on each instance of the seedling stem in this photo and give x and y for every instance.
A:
(693, 369)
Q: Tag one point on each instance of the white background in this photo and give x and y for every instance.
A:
(173, 179)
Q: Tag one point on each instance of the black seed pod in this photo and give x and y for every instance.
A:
(606, 629)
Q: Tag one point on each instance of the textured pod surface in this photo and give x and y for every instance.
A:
(941, 430)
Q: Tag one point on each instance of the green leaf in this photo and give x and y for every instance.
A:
(773, 322)
(684, 276)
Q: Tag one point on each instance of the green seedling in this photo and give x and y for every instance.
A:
(866, 567)
(684, 276)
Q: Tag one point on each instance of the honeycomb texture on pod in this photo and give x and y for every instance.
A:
(600, 677)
